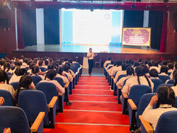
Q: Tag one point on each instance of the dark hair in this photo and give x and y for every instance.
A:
(35, 69)
(24, 84)
(136, 64)
(170, 66)
(164, 69)
(146, 69)
(165, 96)
(66, 67)
(175, 65)
(51, 74)
(164, 62)
(109, 58)
(60, 70)
(130, 70)
(40, 62)
(175, 78)
(46, 62)
(20, 71)
(153, 73)
(4, 77)
(124, 66)
(140, 72)
(7, 65)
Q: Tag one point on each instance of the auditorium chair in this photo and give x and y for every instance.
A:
(16, 119)
(164, 78)
(171, 81)
(67, 88)
(7, 97)
(118, 88)
(135, 94)
(156, 82)
(50, 90)
(33, 102)
(112, 83)
(166, 124)
(135, 111)
(36, 79)
(15, 85)
(43, 69)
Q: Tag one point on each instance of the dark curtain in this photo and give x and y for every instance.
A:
(19, 30)
(155, 23)
(133, 18)
(51, 26)
(28, 19)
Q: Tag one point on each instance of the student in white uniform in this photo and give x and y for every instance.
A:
(153, 74)
(107, 61)
(124, 68)
(90, 56)
(164, 70)
(139, 79)
(175, 84)
(164, 100)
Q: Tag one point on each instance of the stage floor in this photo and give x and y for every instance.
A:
(85, 49)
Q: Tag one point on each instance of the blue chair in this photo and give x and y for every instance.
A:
(134, 121)
(7, 97)
(156, 82)
(166, 123)
(15, 85)
(115, 88)
(50, 90)
(136, 92)
(171, 81)
(15, 118)
(36, 79)
(164, 78)
(42, 69)
(33, 102)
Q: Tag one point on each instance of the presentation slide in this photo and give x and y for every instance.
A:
(97, 27)
(136, 36)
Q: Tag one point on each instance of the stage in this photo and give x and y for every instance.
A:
(71, 51)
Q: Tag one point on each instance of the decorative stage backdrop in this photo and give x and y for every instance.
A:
(136, 37)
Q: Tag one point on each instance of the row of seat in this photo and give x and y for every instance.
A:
(40, 105)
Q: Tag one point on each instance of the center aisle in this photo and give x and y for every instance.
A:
(94, 110)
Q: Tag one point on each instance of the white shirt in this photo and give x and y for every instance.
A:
(154, 67)
(91, 54)
(58, 86)
(14, 78)
(117, 68)
(8, 88)
(122, 80)
(134, 81)
(106, 62)
(118, 74)
(65, 80)
(152, 115)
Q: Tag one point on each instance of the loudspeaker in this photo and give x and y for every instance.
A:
(175, 21)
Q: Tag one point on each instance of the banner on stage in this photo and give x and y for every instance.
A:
(136, 36)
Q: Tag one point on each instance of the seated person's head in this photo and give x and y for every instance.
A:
(139, 71)
(164, 62)
(165, 96)
(51, 74)
(130, 71)
(60, 70)
(170, 66)
(66, 67)
(146, 69)
(40, 62)
(136, 64)
(3, 77)
(35, 69)
(124, 67)
(153, 73)
(20, 71)
(164, 69)
(154, 63)
(25, 81)
(109, 58)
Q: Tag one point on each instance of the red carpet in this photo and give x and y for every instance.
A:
(94, 110)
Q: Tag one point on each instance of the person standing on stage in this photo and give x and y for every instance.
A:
(90, 56)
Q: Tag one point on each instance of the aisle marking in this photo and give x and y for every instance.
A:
(92, 124)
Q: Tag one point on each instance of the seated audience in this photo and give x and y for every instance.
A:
(4, 83)
(164, 100)
(107, 62)
(170, 67)
(139, 79)
(124, 68)
(175, 84)
(25, 83)
(66, 72)
(164, 70)
(61, 75)
(153, 74)
(19, 72)
(35, 71)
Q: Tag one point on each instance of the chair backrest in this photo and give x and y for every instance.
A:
(15, 118)
(121, 76)
(33, 102)
(164, 78)
(143, 103)
(60, 81)
(115, 74)
(49, 90)
(156, 82)
(43, 69)
(176, 102)
(171, 81)
(167, 123)
(137, 91)
(7, 97)
(36, 79)
(15, 85)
